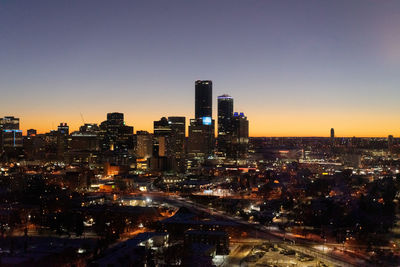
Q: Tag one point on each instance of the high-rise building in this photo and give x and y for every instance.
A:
(201, 138)
(144, 144)
(201, 129)
(115, 134)
(178, 125)
(115, 118)
(240, 136)
(10, 134)
(84, 141)
(161, 145)
(169, 139)
(225, 114)
(203, 99)
(332, 137)
(178, 135)
(84, 145)
(62, 139)
(390, 143)
(162, 127)
(162, 133)
(177, 142)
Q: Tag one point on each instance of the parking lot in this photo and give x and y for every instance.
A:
(267, 254)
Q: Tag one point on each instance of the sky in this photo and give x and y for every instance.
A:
(295, 68)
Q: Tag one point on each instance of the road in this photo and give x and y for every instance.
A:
(295, 243)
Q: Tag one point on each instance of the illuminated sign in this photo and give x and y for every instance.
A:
(206, 120)
(13, 131)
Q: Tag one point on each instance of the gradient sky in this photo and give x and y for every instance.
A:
(296, 68)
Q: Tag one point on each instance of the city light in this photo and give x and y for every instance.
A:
(184, 133)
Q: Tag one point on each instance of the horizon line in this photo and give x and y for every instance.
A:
(261, 136)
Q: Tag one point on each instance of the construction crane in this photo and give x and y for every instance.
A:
(83, 120)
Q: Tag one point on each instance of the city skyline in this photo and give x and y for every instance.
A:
(296, 69)
(200, 133)
(77, 125)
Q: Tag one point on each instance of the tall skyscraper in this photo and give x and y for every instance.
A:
(176, 143)
(240, 136)
(225, 114)
(201, 129)
(62, 139)
(332, 136)
(203, 99)
(390, 143)
(178, 136)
